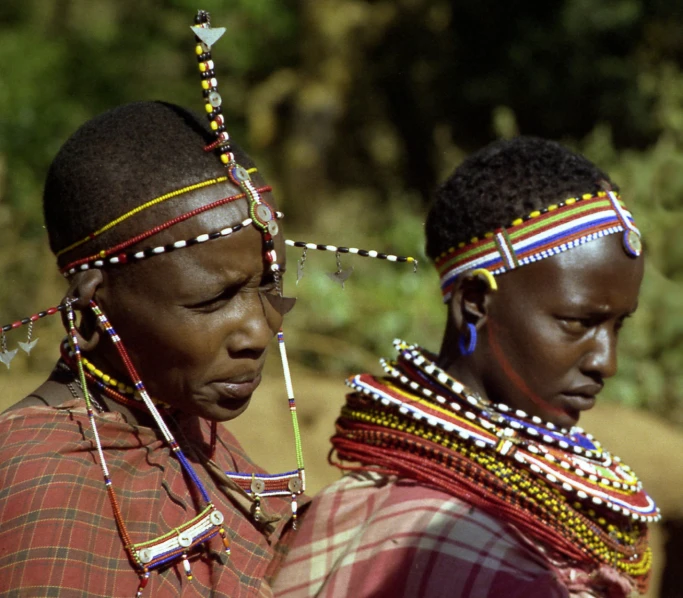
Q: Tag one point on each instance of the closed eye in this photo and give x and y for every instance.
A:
(217, 301)
(578, 325)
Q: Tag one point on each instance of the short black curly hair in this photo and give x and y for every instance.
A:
(120, 160)
(504, 181)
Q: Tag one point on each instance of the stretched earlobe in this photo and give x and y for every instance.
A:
(81, 291)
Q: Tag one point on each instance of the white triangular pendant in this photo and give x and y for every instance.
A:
(7, 356)
(209, 35)
(28, 346)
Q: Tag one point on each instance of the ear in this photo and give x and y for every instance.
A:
(81, 291)
(471, 300)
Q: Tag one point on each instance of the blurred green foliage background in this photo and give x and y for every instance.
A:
(355, 110)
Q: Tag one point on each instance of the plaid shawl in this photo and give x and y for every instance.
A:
(57, 532)
(369, 535)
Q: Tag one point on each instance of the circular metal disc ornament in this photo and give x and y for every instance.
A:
(145, 555)
(258, 486)
(273, 228)
(240, 174)
(185, 540)
(216, 518)
(294, 485)
(264, 213)
(215, 99)
(632, 243)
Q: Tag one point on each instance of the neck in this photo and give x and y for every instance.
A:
(463, 369)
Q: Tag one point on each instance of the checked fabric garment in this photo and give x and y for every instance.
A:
(57, 533)
(370, 535)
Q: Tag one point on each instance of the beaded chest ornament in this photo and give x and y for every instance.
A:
(559, 486)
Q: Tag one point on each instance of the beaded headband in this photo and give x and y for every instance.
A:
(544, 233)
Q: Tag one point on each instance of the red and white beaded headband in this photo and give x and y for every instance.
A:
(542, 234)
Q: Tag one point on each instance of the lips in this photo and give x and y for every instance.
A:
(236, 390)
(581, 398)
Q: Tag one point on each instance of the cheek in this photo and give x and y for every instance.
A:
(532, 347)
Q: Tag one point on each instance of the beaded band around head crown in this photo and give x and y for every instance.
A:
(540, 235)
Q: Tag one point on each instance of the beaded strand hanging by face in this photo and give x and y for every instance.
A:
(264, 218)
(178, 542)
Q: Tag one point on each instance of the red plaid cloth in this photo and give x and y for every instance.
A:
(367, 535)
(57, 531)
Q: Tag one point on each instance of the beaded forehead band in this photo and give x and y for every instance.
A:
(544, 233)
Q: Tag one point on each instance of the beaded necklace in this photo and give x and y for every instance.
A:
(559, 486)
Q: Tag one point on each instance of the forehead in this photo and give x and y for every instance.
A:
(218, 262)
(598, 275)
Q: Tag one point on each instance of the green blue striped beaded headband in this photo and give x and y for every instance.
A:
(542, 234)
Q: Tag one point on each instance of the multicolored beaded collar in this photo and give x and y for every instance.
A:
(559, 486)
(540, 235)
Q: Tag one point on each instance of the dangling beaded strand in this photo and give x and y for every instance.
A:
(178, 542)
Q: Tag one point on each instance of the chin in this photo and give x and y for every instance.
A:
(224, 413)
(564, 419)
(218, 411)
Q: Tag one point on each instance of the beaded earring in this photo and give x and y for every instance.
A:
(175, 545)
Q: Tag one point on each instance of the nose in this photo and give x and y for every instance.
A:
(601, 357)
(257, 324)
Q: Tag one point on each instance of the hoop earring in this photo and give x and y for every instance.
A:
(471, 344)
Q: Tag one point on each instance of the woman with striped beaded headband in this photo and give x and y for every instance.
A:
(467, 475)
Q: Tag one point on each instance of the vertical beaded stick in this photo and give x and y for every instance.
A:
(264, 218)
(262, 214)
(296, 489)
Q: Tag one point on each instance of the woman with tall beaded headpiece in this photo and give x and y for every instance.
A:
(116, 478)
(466, 472)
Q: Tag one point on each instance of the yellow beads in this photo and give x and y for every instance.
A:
(139, 209)
(106, 378)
